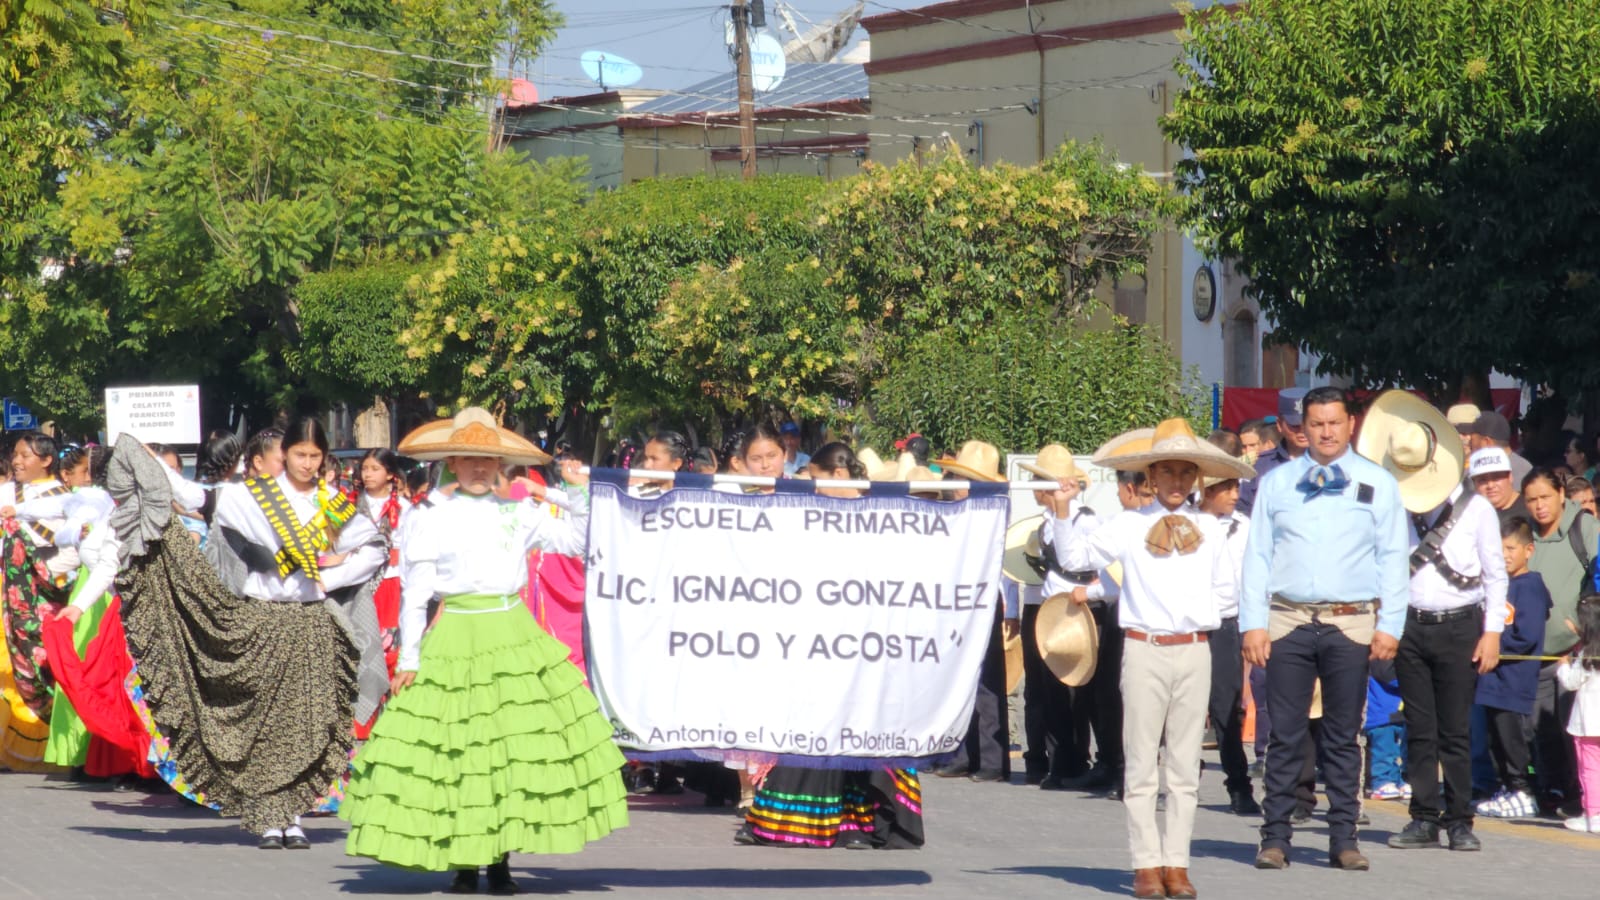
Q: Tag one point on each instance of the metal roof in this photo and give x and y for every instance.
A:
(805, 84)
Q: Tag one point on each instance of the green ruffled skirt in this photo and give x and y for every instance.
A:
(69, 739)
(497, 747)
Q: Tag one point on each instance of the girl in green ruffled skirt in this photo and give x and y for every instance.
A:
(490, 743)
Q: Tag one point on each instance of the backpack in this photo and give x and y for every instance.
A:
(1581, 551)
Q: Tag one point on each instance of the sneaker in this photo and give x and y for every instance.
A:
(1405, 790)
(1508, 805)
(1586, 824)
(1387, 791)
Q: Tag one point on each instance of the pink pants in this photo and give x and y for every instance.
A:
(1589, 773)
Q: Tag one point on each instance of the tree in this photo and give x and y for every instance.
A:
(665, 298)
(916, 247)
(1026, 380)
(1408, 186)
(248, 146)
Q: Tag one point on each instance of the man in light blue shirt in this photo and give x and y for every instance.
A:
(1325, 586)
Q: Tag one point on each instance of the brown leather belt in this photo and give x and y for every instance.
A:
(1167, 640)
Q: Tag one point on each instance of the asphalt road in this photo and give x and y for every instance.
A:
(66, 840)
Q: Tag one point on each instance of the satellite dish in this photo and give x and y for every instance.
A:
(767, 62)
(523, 93)
(609, 69)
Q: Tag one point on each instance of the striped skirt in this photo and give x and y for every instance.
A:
(823, 807)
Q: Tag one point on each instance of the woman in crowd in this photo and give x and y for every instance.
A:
(490, 743)
(250, 676)
(1564, 547)
(382, 500)
(665, 451)
(36, 576)
(1579, 455)
(732, 454)
(219, 461)
(263, 454)
(860, 810)
(85, 504)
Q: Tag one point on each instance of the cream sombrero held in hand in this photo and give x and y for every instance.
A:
(473, 432)
(1173, 439)
(1417, 444)
(1068, 639)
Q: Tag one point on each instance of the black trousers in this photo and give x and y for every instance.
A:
(1046, 711)
(1297, 660)
(1227, 704)
(1555, 762)
(1437, 681)
(1097, 706)
(1508, 747)
(988, 744)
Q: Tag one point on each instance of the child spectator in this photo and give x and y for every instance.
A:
(1580, 490)
(1386, 733)
(1580, 672)
(1508, 692)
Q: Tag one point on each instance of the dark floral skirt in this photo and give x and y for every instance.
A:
(30, 597)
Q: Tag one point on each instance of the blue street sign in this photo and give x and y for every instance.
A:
(18, 417)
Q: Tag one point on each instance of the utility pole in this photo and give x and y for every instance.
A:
(747, 94)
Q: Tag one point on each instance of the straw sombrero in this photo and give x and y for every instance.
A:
(1068, 639)
(1138, 438)
(870, 460)
(1417, 444)
(1022, 541)
(1173, 439)
(473, 432)
(1055, 463)
(895, 471)
(977, 461)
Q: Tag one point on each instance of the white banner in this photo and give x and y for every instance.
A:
(790, 626)
(162, 414)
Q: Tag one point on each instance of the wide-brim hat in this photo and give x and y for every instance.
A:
(1068, 639)
(1128, 440)
(870, 460)
(1173, 439)
(977, 460)
(1022, 541)
(472, 432)
(1416, 444)
(899, 470)
(1013, 648)
(1055, 463)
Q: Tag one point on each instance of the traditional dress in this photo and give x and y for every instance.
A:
(36, 575)
(497, 746)
(251, 694)
(386, 516)
(798, 807)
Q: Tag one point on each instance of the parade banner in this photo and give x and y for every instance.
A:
(790, 627)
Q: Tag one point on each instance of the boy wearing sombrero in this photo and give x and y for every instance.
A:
(1175, 570)
(491, 743)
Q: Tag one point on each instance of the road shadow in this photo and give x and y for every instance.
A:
(1108, 881)
(155, 807)
(1232, 851)
(218, 835)
(379, 879)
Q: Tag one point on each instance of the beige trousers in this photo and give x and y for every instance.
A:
(1165, 693)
